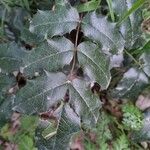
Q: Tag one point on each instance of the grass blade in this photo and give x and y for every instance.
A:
(135, 6)
(109, 2)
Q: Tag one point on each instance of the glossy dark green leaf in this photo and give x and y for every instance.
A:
(68, 124)
(41, 94)
(130, 27)
(96, 27)
(38, 95)
(11, 57)
(57, 22)
(85, 103)
(133, 81)
(50, 55)
(95, 63)
(145, 60)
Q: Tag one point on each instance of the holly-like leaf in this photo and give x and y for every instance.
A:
(145, 60)
(57, 22)
(11, 57)
(95, 63)
(51, 55)
(41, 94)
(68, 124)
(129, 27)
(96, 27)
(133, 81)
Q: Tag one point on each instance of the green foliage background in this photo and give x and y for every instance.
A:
(48, 74)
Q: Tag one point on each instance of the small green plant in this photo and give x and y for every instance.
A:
(132, 117)
(102, 133)
(121, 143)
(21, 132)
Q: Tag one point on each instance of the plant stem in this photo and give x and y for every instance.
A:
(75, 49)
(133, 58)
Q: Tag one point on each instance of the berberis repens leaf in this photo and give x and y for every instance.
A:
(96, 27)
(57, 22)
(46, 54)
(89, 55)
(68, 124)
(41, 94)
